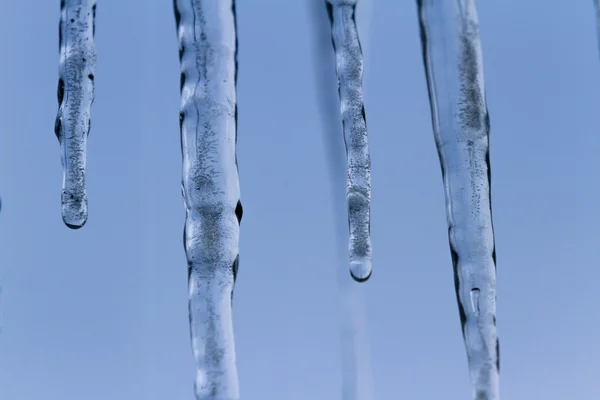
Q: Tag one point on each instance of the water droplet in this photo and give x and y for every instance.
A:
(74, 209)
(475, 300)
(361, 270)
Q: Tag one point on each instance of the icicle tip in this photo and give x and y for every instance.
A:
(74, 210)
(361, 270)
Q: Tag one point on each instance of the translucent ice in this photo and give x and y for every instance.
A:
(208, 120)
(597, 7)
(461, 125)
(356, 374)
(349, 67)
(75, 97)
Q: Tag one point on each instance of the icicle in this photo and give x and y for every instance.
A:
(597, 7)
(349, 66)
(453, 65)
(355, 355)
(208, 120)
(75, 97)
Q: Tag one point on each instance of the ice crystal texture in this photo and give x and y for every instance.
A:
(356, 371)
(208, 120)
(461, 125)
(75, 97)
(349, 67)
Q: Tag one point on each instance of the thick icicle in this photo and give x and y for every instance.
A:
(208, 121)
(75, 97)
(453, 65)
(349, 67)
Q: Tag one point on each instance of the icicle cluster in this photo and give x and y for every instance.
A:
(75, 97)
(349, 67)
(208, 121)
(461, 125)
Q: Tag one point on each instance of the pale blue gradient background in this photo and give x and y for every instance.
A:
(101, 313)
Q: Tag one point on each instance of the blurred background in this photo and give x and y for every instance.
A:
(101, 313)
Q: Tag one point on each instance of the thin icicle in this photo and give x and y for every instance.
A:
(349, 66)
(208, 121)
(75, 98)
(454, 69)
(597, 6)
(355, 356)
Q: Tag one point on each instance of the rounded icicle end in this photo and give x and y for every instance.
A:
(361, 271)
(74, 210)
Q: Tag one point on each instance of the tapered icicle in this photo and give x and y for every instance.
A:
(208, 121)
(356, 374)
(597, 8)
(75, 98)
(349, 67)
(453, 65)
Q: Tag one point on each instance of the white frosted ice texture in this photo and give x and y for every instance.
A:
(208, 56)
(349, 67)
(75, 97)
(453, 63)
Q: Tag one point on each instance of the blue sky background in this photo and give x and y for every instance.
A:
(101, 313)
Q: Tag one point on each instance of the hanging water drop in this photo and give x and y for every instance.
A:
(475, 301)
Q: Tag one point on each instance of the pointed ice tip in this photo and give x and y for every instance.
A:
(74, 210)
(361, 271)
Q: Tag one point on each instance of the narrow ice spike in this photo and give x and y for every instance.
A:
(349, 67)
(461, 125)
(356, 372)
(75, 98)
(597, 9)
(206, 30)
